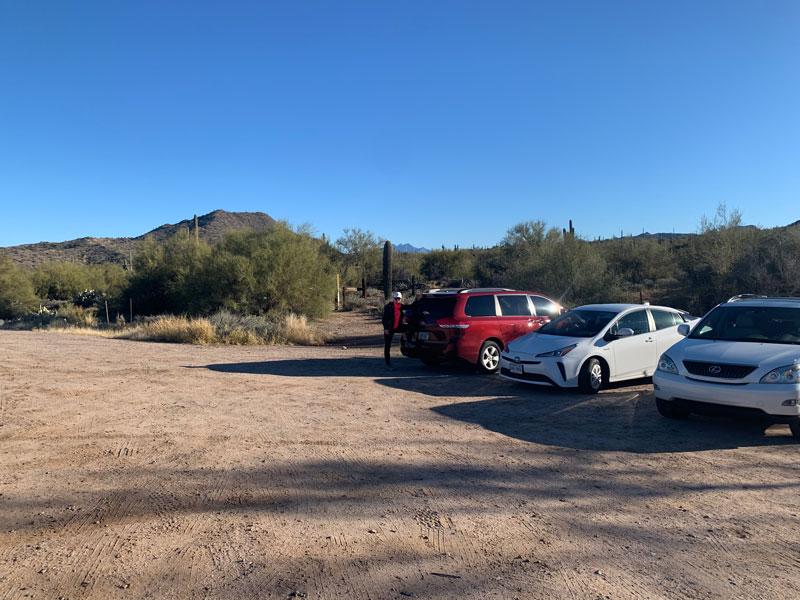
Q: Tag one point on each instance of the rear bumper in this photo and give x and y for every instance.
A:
(429, 350)
(749, 398)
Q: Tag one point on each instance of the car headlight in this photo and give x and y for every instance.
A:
(787, 374)
(667, 365)
(559, 352)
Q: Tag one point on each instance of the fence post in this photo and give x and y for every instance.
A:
(107, 319)
(363, 287)
(131, 302)
(338, 291)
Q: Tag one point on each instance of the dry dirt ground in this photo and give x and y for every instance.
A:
(141, 470)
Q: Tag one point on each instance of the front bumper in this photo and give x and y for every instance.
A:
(765, 397)
(544, 371)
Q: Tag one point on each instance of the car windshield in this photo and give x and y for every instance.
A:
(762, 324)
(579, 323)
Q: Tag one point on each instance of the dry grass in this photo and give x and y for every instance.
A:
(91, 331)
(239, 337)
(295, 329)
(180, 330)
(299, 331)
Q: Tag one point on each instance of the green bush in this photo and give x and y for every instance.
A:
(17, 295)
(246, 329)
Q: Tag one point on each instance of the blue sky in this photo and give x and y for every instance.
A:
(432, 123)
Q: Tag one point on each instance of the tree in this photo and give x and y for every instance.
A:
(362, 251)
(16, 290)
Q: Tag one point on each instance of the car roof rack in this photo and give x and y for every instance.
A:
(470, 290)
(740, 297)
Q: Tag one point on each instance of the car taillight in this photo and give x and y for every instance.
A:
(452, 324)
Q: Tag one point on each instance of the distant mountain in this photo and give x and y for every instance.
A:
(90, 250)
(410, 248)
(214, 225)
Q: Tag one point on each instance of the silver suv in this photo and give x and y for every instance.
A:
(742, 357)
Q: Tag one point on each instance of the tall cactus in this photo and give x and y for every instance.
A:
(387, 271)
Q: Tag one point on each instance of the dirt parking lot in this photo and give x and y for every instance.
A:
(140, 470)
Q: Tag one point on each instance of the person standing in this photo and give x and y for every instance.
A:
(392, 323)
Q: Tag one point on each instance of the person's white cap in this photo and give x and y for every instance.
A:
(397, 295)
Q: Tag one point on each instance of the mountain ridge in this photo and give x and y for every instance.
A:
(92, 250)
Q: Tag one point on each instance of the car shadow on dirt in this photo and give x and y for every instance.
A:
(622, 418)
(616, 421)
(358, 366)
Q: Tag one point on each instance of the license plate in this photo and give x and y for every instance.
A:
(422, 336)
(515, 369)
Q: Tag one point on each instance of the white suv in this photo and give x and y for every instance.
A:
(742, 357)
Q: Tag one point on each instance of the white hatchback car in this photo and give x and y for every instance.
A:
(742, 357)
(594, 344)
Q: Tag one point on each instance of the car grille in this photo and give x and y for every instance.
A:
(528, 376)
(718, 370)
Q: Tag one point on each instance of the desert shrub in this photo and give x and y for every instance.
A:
(17, 295)
(60, 280)
(167, 328)
(165, 276)
(563, 266)
(77, 315)
(246, 329)
(32, 321)
(297, 330)
(354, 301)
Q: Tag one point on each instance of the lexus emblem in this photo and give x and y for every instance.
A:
(715, 370)
(516, 359)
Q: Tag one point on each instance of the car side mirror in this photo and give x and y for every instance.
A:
(683, 329)
(624, 332)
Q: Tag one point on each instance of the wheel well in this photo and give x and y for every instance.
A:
(496, 341)
(603, 365)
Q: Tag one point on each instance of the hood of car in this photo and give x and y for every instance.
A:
(536, 343)
(738, 353)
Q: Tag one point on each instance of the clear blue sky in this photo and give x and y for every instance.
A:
(433, 123)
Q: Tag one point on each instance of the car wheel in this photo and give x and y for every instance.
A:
(590, 380)
(670, 410)
(431, 362)
(489, 357)
(795, 427)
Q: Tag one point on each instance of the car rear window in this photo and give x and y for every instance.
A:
(436, 308)
(514, 305)
(480, 306)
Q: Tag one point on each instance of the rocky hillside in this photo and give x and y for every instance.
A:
(99, 250)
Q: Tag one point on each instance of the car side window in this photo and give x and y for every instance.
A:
(637, 320)
(544, 307)
(514, 305)
(480, 306)
(664, 318)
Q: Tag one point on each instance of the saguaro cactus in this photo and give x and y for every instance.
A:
(387, 271)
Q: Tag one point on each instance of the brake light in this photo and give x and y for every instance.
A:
(452, 324)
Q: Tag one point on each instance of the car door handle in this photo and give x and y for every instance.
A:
(649, 340)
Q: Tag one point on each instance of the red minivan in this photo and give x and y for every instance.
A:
(472, 325)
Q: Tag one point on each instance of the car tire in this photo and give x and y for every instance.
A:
(670, 410)
(431, 362)
(489, 357)
(590, 380)
(795, 427)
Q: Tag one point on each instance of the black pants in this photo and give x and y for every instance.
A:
(387, 344)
